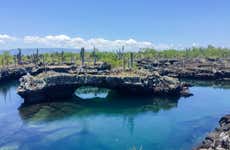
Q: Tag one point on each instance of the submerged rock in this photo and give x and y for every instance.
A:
(53, 85)
(48, 111)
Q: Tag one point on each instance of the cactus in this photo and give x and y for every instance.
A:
(44, 62)
(94, 56)
(119, 54)
(72, 58)
(62, 57)
(123, 62)
(42, 59)
(6, 57)
(131, 59)
(15, 61)
(33, 58)
(37, 57)
(123, 57)
(82, 55)
(58, 57)
(2, 62)
(19, 56)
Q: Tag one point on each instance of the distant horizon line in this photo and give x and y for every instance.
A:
(66, 48)
(62, 41)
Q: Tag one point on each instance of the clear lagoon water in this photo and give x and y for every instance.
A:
(104, 120)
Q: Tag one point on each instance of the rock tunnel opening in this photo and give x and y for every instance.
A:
(91, 92)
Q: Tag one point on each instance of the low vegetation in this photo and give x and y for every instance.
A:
(118, 58)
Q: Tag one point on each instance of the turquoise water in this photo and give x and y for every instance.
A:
(110, 121)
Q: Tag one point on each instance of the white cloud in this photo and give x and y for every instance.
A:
(78, 42)
(64, 41)
(4, 38)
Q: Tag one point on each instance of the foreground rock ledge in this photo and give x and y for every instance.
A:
(218, 139)
(52, 85)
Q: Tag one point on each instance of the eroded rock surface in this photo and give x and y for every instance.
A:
(13, 73)
(202, 69)
(53, 85)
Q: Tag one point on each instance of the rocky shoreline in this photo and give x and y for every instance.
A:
(14, 73)
(195, 69)
(201, 69)
(219, 139)
(47, 83)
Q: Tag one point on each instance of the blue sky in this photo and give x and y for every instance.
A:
(157, 23)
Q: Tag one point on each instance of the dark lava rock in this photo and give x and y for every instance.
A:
(218, 139)
(19, 71)
(53, 85)
(202, 69)
(13, 73)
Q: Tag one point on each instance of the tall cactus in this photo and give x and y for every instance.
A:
(62, 57)
(2, 62)
(6, 56)
(19, 56)
(82, 55)
(123, 57)
(52, 58)
(131, 59)
(56, 58)
(72, 58)
(43, 59)
(94, 56)
(15, 60)
(37, 57)
(119, 54)
(33, 57)
(44, 62)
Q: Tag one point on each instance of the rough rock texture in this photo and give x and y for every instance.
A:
(53, 85)
(202, 69)
(19, 71)
(218, 139)
(13, 73)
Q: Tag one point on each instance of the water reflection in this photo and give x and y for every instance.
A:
(111, 123)
(89, 92)
(6, 90)
(114, 104)
(214, 84)
(125, 107)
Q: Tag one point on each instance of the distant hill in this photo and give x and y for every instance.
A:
(29, 51)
